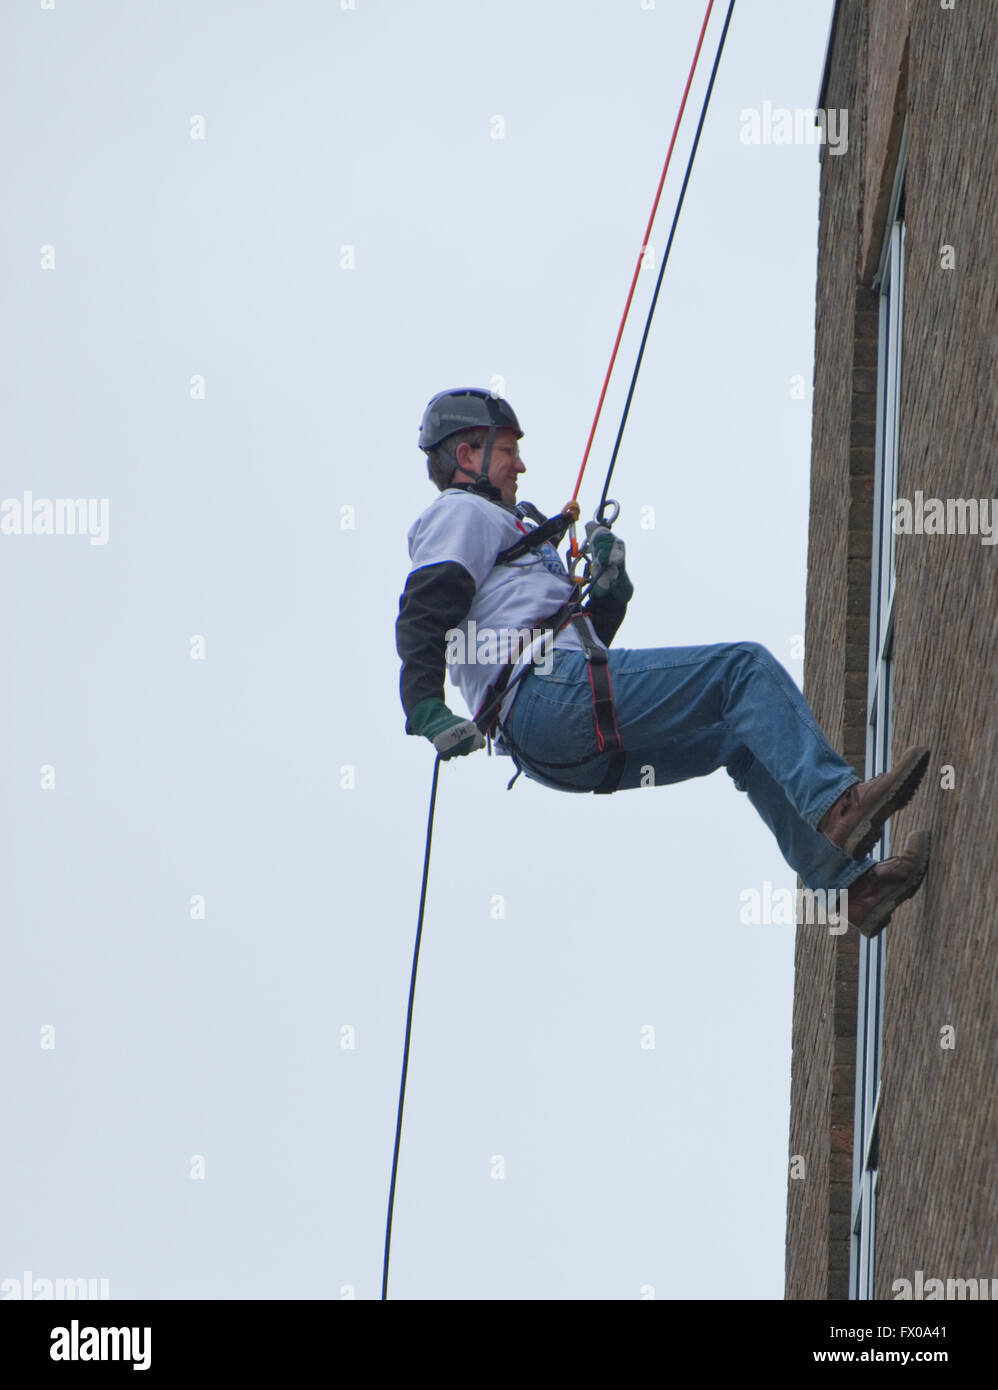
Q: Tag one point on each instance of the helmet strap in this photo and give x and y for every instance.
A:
(482, 481)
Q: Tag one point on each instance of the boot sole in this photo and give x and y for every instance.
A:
(865, 833)
(881, 914)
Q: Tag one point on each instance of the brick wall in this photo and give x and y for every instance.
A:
(938, 1187)
(886, 101)
(938, 1198)
(824, 1017)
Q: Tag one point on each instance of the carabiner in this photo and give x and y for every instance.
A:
(575, 552)
(601, 519)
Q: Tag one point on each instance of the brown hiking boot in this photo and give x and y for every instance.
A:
(854, 822)
(872, 898)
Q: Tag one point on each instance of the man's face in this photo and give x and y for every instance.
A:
(505, 464)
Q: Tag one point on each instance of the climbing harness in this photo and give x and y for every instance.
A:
(607, 734)
(602, 697)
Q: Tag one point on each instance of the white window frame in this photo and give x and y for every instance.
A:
(870, 1001)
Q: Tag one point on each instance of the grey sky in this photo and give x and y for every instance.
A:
(475, 259)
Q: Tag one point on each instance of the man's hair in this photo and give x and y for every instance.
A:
(441, 462)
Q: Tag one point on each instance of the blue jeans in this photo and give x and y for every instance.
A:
(684, 712)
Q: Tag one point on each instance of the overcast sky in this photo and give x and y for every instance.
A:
(244, 244)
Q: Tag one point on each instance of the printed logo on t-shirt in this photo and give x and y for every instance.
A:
(551, 560)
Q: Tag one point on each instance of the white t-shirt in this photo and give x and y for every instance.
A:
(464, 528)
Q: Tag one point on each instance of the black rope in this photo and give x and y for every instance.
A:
(665, 258)
(408, 1027)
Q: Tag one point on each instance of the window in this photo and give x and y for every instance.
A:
(869, 1015)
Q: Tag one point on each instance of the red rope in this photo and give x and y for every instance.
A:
(637, 268)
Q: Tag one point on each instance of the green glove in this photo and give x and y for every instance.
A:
(607, 570)
(450, 735)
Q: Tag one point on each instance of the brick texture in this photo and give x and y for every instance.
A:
(824, 1028)
(938, 1185)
